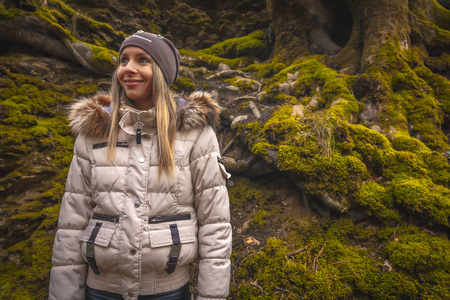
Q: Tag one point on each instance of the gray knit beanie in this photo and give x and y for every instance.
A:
(160, 49)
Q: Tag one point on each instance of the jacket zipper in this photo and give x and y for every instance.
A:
(114, 219)
(161, 219)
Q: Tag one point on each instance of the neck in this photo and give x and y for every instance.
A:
(142, 105)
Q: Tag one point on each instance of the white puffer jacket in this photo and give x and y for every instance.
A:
(131, 220)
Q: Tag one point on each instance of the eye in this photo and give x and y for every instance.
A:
(124, 60)
(145, 60)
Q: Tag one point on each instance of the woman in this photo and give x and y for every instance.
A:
(146, 190)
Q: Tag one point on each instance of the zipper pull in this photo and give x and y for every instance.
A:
(138, 136)
(138, 126)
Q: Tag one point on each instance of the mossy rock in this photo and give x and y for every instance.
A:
(245, 85)
(378, 200)
(266, 70)
(421, 197)
(184, 85)
(320, 262)
(255, 45)
(212, 62)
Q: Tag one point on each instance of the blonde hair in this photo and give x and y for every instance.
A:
(166, 118)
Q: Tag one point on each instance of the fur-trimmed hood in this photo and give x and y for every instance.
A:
(92, 116)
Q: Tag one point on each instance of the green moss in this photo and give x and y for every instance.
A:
(336, 258)
(438, 63)
(438, 167)
(341, 230)
(47, 16)
(325, 265)
(407, 143)
(310, 77)
(424, 117)
(30, 216)
(236, 52)
(314, 74)
(403, 164)
(339, 176)
(260, 218)
(254, 45)
(213, 61)
(439, 84)
(184, 84)
(104, 55)
(426, 9)
(305, 148)
(87, 89)
(282, 127)
(29, 278)
(62, 7)
(8, 14)
(192, 16)
(261, 149)
(409, 103)
(246, 192)
(396, 285)
(370, 145)
(245, 85)
(428, 257)
(423, 198)
(95, 25)
(266, 70)
(378, 201)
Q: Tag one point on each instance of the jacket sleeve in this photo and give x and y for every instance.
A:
(213, 212)
(68, 274)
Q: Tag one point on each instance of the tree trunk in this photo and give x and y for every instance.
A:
(382, 40)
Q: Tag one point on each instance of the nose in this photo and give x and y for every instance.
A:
(130, 67)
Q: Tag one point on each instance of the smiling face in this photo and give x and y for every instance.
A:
(135, 75)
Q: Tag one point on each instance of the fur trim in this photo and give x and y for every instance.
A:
(89, 116)
(201, 110)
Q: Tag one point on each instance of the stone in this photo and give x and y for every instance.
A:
(335, 102)
(260, 168)
(376, 127)
(246, 225)
(298, 110)
(292, 76)
(370, 113)
(285, 88)
(223, 67)
(238, 119)
(314, 103)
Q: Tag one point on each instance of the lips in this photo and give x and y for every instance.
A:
(132, 82)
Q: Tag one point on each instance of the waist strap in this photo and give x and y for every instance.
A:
(90, 250)
(175, 250)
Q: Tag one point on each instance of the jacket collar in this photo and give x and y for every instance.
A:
(131, 119)
(92, 116)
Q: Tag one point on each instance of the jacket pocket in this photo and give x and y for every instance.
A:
(161, 238)
(103, 237)
(164, 248)
(97, 247)
(106, 231)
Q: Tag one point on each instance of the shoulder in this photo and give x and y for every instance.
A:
(198, 110)
(91, 116)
